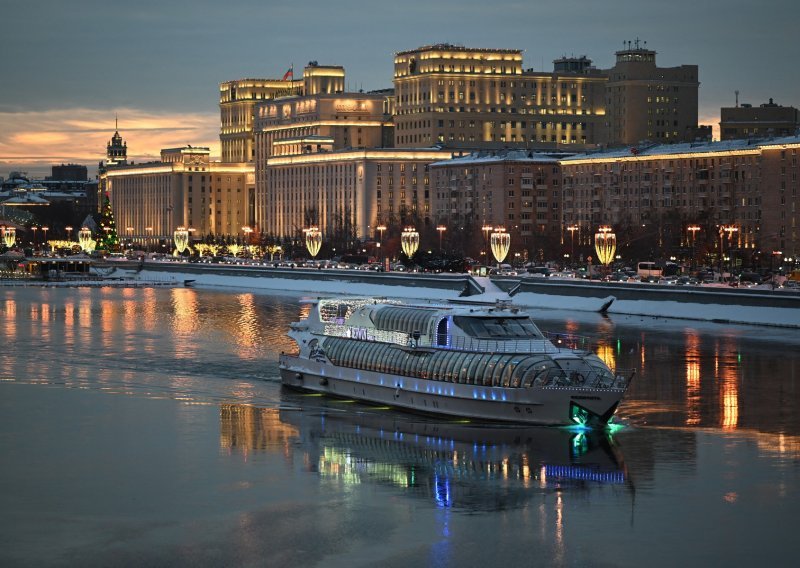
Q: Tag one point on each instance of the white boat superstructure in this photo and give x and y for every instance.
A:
(489, 363)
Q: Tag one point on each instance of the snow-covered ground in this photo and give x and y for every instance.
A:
(723, 312)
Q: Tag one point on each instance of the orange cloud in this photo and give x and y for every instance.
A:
(79, 135)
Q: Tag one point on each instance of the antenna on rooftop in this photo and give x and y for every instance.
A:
(737, 98)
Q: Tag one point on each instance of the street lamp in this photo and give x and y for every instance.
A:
(381, 229)
(605, 243)
(68, 229)
(486, 230)
(34, 229)
(9, 236)
(149, 231)
(247, 231)
(501, 243)
(730, 229)
(181, 238)
(441, 229)
(85, 239)
(409, 240)
(693, 231)
(572, 229)
(313, 241)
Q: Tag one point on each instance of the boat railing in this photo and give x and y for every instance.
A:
(569, 341)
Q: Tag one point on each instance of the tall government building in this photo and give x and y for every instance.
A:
(463, 97)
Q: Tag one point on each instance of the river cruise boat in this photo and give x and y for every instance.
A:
(480, 362)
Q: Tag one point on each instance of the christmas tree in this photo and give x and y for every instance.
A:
(107, 235)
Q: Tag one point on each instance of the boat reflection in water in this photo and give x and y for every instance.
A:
(459, 465)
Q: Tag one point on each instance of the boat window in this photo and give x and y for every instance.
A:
(439, 365)
(384, 362)
(480, 368)
(463, 370)
(500, 327)
(499, 368)
(522, 368)
(374, 356)
(486, 374)
(453, 362)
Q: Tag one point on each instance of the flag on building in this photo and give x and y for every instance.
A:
(289, 74)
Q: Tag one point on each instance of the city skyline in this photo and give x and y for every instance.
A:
(158, 67)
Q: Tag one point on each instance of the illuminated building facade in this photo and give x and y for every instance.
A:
(750, 186)
(345, 190)
(238, 100)
(747, 121)
(515, 189)
(321, 123)
(463, 97)
(185, 188)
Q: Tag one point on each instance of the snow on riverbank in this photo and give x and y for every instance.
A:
(757, 315)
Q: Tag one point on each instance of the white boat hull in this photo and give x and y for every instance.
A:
(538, 405)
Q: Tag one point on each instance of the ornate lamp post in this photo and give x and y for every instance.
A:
(68, 229)
(149, 231)
(247, 232)
(486, 230)
(313, 241)
(380, 229)
(605, 243)
(441, 229)
(692, 229)
(572, 229)
(409, 240)
(501, 243)
(730, 229)
(85, 239)
(9, 236)
(34, 229)
(181, 238)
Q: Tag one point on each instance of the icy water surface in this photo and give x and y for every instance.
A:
(148, 427)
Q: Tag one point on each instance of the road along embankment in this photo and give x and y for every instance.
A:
(707, 303)
(745, 306)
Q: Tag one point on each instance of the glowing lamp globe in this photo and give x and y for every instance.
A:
(605, 243)
(409, 240)
(85, 239)
(313, 241)
(501, 243)
(9, 236)
(181, 238)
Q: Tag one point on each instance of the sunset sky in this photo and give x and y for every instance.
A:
(67, 68)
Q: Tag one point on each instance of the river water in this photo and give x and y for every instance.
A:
(148, 427)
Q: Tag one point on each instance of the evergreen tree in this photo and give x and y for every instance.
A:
(107, 235)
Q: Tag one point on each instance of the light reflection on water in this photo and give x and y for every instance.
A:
(227, 344)
(184, 425)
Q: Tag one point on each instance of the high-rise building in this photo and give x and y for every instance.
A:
(647, 102)
(238, 99)
(768, 119)
(462, 97)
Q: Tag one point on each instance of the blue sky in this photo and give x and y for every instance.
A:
(66, 67)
